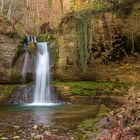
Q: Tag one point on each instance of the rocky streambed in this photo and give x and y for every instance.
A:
(80, 118)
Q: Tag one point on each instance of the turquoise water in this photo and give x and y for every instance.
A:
(60, 120)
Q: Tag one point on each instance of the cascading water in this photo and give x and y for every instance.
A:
(26, 63)
(42, 81)
(42, 93)
(25, 66)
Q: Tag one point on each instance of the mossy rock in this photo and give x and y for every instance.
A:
(92, 88)
(20, 52)
(103, 111)
(16, 77)
(43, 38)
(5, 90)
(87, 127)
(17, 71)
(88, 124)
(54, 51)
(19, 32)
(32, 49)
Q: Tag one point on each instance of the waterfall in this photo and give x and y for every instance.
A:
(25, 66)
(26, 63)
(42, 93)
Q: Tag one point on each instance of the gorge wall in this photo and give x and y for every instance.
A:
(98, 43)
(101, 45)
(7, 53)
(8, 49)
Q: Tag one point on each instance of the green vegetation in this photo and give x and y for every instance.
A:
(32, 48)
(78, 5)
(43, 38)
(86, 128)
(19, 32)
(89, 88)
(84, 16)
(20, 51)
(7, 89)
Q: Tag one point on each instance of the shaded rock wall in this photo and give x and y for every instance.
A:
(111, 36)
(12, 55)
(8, 48)
(20, 95)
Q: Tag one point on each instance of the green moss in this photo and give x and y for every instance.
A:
(32, 48)
(103, 111)
(84, 84)
(16, 77)
(54, 52)
(19, 32)
(43, 38)
(7, 89)
(90, 88)
(87, 125)
(96, 5)
(20, 51)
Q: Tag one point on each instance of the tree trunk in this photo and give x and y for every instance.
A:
(2, 4)
(10, 9)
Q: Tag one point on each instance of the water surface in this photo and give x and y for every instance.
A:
(60, 120)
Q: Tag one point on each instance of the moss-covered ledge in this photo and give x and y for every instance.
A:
(92, 92)
(15, 93)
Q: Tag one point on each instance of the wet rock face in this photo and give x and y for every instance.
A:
(7, 54)
(21, 95)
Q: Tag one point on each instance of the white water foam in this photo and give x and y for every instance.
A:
(42, 93)
(43, 104)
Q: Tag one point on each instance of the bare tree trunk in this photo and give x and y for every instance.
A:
(132, 35)
(38, 16)
(29, 17)
(26, 15)
(2, 4)
(10, 10)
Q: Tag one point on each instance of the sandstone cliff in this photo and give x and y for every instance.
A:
(8, 48)
(100, 44)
